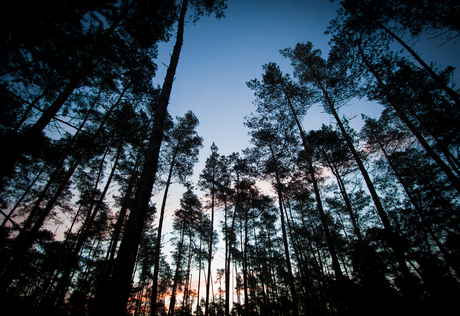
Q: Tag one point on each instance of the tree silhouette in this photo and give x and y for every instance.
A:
(181, 152)
(121, 277)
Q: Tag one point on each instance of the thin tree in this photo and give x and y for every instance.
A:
(278, 96)
(118, 291)
(209, 179)
(275, 146)
(183, 145)
(313, 71)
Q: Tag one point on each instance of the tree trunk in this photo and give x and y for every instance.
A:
(29, 136)
(156, 265)
(447, 256)
(26, 238)
(390, 234)
(54, 175)
(451, 93)
(65, 278)
(448, 172)
(185, 305)
(199, 283)
(244, 245)
(177, 276)
(303, 271)
(229, 248)
(227, 254)
(264, 306)
(295, 305)
(121, 216)
(344, 194)
(206, 309)
(7, 217)
(319, 204)
(114, 300)
(451, 159)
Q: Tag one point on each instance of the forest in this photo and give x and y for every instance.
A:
(333, 221)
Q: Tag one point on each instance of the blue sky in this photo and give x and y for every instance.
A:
(219, 56)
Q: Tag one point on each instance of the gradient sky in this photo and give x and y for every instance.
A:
(219, 56)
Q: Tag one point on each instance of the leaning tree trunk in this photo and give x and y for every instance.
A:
(29, 136)
(65, 278)
(347, 201)
(391, 235)
(450, 158)
(27, 237)
(306, 289)
(447, 256)
(114, 299)
(58, 167)
(295, 305)
(430, 151)
(451, 93)
(335, 262)
(156, 264)
(121, 215)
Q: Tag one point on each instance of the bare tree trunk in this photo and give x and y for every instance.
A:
(229, 247)
(185, 305)
(247, 302)
(206, 309)
(295, 305)
(199, 283)
(156, 264)
(319, 204)
(177, 275)
(451, 93)
(29, 136)
(114, 299)
(264, 306)
(447, 171)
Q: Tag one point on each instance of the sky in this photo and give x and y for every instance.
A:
(218, 57)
